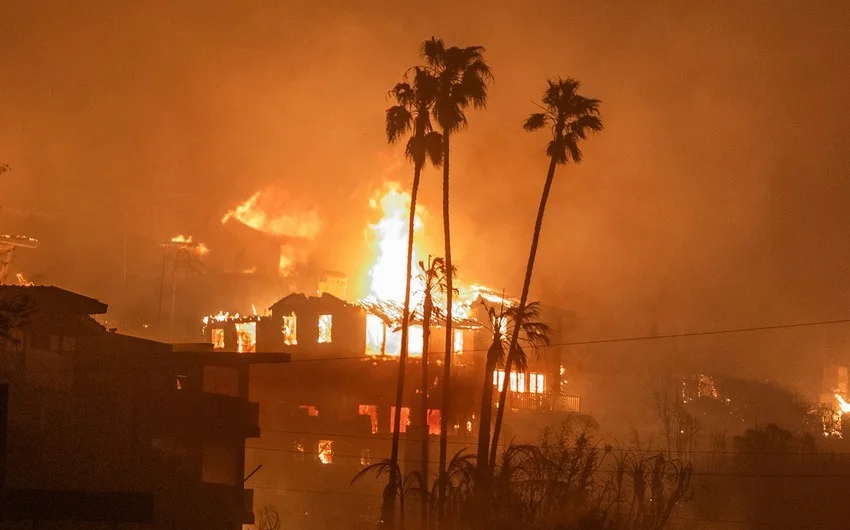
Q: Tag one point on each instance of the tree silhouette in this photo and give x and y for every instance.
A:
(571, 117)
(185, 262)
(502, 320)
(462, 80)
(411, 114)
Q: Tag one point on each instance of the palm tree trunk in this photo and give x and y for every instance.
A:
(426, 337)
(447, 361)
(389, 508)
(538, 224)
(486, 413)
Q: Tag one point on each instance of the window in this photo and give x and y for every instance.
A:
(434, 421)
(516, 381)
(325, 329)
(298, 450)
(246, 337)
(218, 339)
(405, 418)
(290, 330)
(536, 383)
(457, 345)
(371, 411)
(365, 458)
(499, 379)
(326, 451)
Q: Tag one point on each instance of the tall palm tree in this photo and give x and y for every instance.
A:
(502, 321)
(410, 114)
(462, 80)
(571, 117)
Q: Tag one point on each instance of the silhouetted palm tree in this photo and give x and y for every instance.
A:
(571, 117)
(433, 280)
(502, 320)
(411, 114)
(186, 262)
(462, 80)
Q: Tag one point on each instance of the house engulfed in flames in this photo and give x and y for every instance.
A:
(333, 405)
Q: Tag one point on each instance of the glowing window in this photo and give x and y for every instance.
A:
(218, 339)
(326, 451)
(516, 381)
(458, 341)
(499, 379)
(536, 383)
(405, 418)
(365, 458)
(289, 329)
(325, 328)
(375, 335)
(246, 337)
(371, 411)
(434, 421)
(513, 381)
(414, 341)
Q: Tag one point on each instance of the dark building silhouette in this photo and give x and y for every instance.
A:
(107, 427)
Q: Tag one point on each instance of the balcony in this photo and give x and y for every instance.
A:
(545, 401)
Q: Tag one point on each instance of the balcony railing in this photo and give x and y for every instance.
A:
(544, 401)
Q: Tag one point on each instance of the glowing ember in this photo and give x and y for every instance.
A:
(23, 281)
(387, 275)
(267, 212)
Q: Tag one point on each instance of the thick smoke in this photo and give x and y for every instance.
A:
(715, 197)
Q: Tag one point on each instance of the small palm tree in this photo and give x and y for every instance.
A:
(571, 117)
(433, 278)
(463, 77)
(502, 320)
(410, 114)
(185, 262)
(399, 486)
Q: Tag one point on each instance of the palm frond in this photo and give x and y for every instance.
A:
(399, 122)
(433, 146)
(535, 121)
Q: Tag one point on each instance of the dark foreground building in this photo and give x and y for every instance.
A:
(103, 428)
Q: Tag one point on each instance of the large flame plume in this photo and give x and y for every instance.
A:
(387, 275)
(268, 212)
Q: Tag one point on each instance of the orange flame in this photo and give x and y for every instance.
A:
(387, 275)
(264, 211)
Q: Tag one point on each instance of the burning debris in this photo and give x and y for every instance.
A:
(180, 241)
(270, 212)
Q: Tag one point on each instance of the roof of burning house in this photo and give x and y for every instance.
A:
(297, 299)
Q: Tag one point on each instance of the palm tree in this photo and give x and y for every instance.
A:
(411, 113)
(571, 117)
(462, 79)
(433, 279)
(532, 334)
(186, 262)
